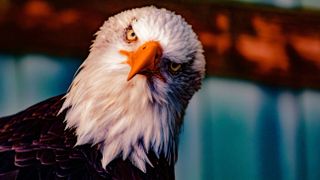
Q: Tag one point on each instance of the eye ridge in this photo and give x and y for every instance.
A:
(130, 35)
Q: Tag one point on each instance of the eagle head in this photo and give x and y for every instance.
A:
(131, 92)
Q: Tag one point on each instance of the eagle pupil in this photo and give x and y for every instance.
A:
(174, 65)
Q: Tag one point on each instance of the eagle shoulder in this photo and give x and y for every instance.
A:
(35, 144)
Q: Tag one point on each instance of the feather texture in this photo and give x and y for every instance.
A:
(130, 118)
(35, 144)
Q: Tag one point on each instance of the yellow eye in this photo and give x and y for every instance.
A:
(174, 67)
(131, 35)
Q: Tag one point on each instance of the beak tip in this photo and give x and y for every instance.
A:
(130, 76)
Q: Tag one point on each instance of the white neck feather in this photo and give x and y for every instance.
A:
(125, 117)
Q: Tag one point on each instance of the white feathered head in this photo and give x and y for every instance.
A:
(131, 92)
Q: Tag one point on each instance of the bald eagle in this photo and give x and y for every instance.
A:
(121, 116)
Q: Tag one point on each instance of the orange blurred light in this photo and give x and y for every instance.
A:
(307, 47)
(267, 48)
(37, 8)
(69, 16)
(220, 42)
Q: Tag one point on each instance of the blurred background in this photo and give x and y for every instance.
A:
(257, 116)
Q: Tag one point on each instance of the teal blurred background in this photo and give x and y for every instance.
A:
(233, 130)
(240, 130)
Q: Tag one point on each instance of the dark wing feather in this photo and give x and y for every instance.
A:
(34, 144)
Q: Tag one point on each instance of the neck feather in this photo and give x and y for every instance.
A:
(126, 118)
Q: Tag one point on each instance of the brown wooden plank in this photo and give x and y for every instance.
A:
(265, 44)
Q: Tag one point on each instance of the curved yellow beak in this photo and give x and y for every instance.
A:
(145, 58)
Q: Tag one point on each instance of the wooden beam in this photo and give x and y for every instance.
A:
(266, 44)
